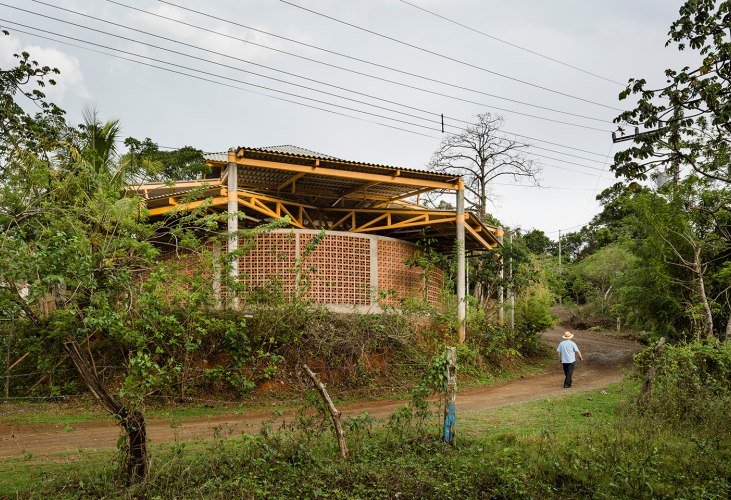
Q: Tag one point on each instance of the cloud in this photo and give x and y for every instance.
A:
(69, 82)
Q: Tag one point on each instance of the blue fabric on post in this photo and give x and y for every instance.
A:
(450, 425)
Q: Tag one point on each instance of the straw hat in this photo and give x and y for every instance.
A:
(568, 335)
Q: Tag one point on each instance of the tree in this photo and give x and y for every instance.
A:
(180, 164)
(480, 154)
(688, 121)
(537, 241)
(76, 251)
(687, 125)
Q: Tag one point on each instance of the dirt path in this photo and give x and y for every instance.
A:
(605, 358)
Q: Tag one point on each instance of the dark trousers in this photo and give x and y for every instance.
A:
(568, 370)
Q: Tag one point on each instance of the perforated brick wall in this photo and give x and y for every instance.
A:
(394, 277)
(273, 258)
(338, 270)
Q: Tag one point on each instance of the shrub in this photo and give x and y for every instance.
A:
(692, 383)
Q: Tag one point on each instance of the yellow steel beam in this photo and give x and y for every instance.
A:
(393, 211)
(345, 174)
(407, 195)
(259, 206)
(291, 180)
(413, 222)
(364, 187)
(373, 221)
(218, 200)
(146, 188)
(271, 199)
(477, 236)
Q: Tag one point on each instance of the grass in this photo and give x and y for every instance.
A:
(85, 409)
(579, 445)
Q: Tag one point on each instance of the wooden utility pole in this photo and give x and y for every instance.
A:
(450, 414)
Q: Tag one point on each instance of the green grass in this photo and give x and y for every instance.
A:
(85, 409)
(540, 449)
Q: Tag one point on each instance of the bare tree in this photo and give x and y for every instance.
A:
(480, 155)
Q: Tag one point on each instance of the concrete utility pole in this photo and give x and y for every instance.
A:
(511, 291)
(559, 262)
(232, 171)
(501, 288)
(461, 272)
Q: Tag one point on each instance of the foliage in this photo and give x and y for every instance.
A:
(536, 241)
(692, 384)
(147, 163)
(543, 449)
(687, 121)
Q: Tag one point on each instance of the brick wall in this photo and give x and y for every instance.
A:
(338, 270)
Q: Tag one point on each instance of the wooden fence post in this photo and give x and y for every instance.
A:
(450, 415)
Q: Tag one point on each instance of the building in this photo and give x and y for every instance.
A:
(371, 216)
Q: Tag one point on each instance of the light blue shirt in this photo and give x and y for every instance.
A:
(567, 348)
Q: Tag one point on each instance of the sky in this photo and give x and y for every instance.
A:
(266, 72)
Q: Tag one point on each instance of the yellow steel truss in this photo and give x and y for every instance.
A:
(356, 220)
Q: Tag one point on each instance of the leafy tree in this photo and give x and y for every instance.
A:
(536, 241)
(687, 121)
(604, 270)
(481, 155)
(145, 158)
(77, 253)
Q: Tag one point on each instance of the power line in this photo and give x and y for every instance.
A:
(263, 66)
(539, 187)
(493, 37)
(219, 76)
(189, 75)
(260, 86)
(567, 169)
(449, 58)
(340, 54)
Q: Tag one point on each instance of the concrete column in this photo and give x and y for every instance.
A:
(233, 217)
(501, 288)
(461, 274)
(298, 264)
(217, 273)
(374, 269)
(511, 290)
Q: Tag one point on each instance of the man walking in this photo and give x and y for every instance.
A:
(567, 351)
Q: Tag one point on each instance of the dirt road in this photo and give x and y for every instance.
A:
(606, 356)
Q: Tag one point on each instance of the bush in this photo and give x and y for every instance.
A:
(692, 383)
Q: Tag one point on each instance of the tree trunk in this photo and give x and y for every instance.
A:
(707, 315)
(133, 422)
(728, 329)
(334, 412)
(646, 390)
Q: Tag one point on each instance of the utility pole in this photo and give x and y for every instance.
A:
(511, 291)
(559, 265)
(501, 287)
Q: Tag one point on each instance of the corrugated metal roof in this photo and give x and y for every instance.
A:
(288, 149)
(222, 157)
(298, 152)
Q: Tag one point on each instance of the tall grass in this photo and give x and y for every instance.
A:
(588, 445)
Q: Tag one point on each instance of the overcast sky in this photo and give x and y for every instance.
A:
(615, 40)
